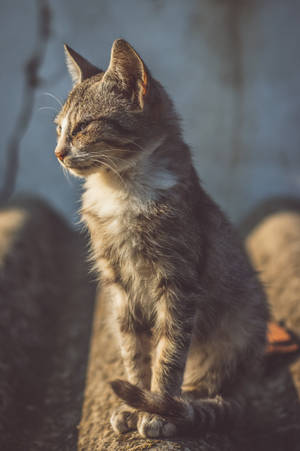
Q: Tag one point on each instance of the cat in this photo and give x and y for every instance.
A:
(188, 311)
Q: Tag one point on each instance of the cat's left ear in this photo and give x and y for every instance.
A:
(129, 70)
(79, 68)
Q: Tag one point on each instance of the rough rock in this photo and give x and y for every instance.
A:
(46, 304)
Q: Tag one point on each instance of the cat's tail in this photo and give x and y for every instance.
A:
(203, 414)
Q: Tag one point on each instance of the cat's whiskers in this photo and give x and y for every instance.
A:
(130, 141)
(107, 160)
(53, 97)
(109, 165)
(114, 171)
(97, 158)
(115, 158)
(48, 108)
(66, 173)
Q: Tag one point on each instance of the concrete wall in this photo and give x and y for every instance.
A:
(231, 66)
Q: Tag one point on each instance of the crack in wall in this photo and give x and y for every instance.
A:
(31, 83)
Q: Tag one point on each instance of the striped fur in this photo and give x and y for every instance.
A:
(187, 309)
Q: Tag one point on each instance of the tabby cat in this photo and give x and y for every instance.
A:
(188, 310)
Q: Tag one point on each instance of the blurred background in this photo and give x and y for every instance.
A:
(232, 68)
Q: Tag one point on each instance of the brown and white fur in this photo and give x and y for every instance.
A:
(189, 313)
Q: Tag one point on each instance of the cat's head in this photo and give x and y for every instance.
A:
(113, 118)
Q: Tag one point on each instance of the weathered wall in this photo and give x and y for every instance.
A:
(232, 67)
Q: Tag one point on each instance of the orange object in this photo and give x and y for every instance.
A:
(279, 341)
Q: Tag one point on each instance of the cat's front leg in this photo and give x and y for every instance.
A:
(174, 331)
(133, 340)
(173, 334)
(137, 365)
(135, 350)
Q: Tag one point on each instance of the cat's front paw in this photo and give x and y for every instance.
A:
(124, 419)
(154, 426)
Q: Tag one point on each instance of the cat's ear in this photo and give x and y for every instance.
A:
(128, 68)
(79, 68)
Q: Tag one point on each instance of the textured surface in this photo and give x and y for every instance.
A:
(46, 304)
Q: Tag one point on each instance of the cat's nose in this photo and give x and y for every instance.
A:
(61, 152)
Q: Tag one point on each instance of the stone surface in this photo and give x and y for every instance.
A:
(46, 305)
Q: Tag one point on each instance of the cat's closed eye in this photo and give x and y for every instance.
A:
(80, 127)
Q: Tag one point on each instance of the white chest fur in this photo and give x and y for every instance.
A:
(113, 213)
(104, 199)
(109, 197)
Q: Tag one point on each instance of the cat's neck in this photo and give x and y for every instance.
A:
(137, 186)
(153, 172)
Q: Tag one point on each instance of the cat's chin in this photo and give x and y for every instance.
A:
(83, 173)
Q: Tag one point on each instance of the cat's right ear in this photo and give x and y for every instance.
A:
(79, 68)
